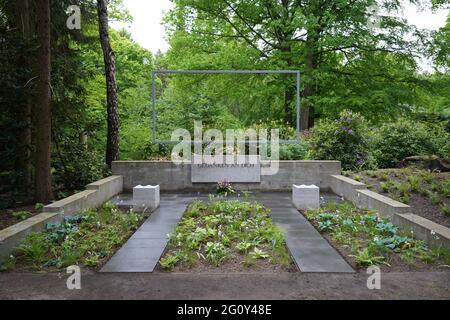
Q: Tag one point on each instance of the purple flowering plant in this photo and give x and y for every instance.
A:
(346, 138)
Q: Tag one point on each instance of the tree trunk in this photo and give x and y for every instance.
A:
(43, 186)
(290, 90)
(307, 110)
(112, 146)
(24, 153)
(289, 95)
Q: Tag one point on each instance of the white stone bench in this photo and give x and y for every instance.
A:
(146, 198)
(306, 197)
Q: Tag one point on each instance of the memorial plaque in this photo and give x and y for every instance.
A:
(231, 171)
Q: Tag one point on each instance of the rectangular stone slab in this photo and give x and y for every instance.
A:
(235, 173)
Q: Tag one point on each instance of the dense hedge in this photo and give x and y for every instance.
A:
(358, 146)
(403, 138)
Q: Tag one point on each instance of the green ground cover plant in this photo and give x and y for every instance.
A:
(86, 239)
(215, 233)
(427, 192)
(370, 239)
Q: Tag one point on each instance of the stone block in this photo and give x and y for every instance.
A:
(306, 197)
(146, 198)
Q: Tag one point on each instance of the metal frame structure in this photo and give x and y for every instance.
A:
(156, 72)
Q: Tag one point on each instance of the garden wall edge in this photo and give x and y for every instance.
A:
(95, 195)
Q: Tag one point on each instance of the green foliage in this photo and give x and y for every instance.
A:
(219, 231)
(403, 188)
(244, 246)
(294, 151)
(259, 254)
(225, 188)
(168, 262)
(216, 252)
(371, 240)
(414, 182)
(445, 188)
(39, 206)
(85, 239)
(446, 210)
(22, 215)
(386, 186)
(346, 139)
(34, 249)
(365, 258)
(76, 167)
(435, 199)
(397, 140)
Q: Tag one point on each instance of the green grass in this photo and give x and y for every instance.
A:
(370, 239)
(84, 239)
(215, 232)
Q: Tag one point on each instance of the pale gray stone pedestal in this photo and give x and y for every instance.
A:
(146, 198)
(306, 197)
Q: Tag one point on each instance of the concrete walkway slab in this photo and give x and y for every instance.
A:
(311, 252)
(141, 253)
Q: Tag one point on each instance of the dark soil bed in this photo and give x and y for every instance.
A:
(420, 200)
(8, 219)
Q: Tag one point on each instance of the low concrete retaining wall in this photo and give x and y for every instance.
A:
(11, 237)
(432, 233)
(106, 188)
(400, 214)
(173, 177)
(367, 199)
(346, 187)
(96, 194)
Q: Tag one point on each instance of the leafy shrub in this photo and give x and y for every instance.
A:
(296, 151)
(404, 138)
(76, 166)
(347, 139)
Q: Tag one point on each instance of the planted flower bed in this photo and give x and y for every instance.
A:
(366, 239)
(87, 239)
(428, 193)
(228, 235)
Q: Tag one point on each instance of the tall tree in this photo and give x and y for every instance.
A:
(319, 37)
(112, 144)
(43, 185)
(24, 25)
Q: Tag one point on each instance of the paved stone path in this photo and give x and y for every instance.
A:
(143, 250)
(311, 252)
